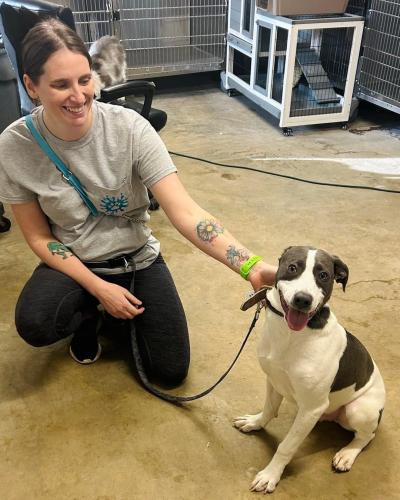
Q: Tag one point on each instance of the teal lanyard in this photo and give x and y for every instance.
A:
(66, 173)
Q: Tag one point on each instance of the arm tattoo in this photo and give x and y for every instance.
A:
(235, 256)
(208, 230)
(57, 248)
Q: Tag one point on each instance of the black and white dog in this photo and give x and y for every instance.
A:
(311, 360)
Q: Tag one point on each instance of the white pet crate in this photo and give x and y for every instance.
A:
(278, 62)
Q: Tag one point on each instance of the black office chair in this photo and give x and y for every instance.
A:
(9, 110)
(5, 223)
(18, 17)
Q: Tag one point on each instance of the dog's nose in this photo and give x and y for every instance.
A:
(302, 301)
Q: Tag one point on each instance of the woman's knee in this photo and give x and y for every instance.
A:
(49, 306)
(35, 328)
(171, 366)
(166, 363)
(171, 376)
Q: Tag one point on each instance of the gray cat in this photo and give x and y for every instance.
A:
(109, 63)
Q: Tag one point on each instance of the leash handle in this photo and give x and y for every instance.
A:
(169, 397)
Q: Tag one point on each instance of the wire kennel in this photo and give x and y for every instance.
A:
(160, 37)
(356, 7)
(93, 18)
(278, 63)
(379, 70)
(378, 74)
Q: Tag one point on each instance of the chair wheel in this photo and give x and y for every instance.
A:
(287, 131)
(344, 126)
(232, 92)
(5, 224)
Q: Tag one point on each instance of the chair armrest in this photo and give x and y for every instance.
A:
(133, 87)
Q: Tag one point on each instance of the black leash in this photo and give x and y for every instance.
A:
(169, 397)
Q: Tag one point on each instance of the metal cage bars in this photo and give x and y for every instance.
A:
(160, 37)
(93, 18)
(379, 74)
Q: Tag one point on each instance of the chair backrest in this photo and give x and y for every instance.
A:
(16, 19)
(9, 98)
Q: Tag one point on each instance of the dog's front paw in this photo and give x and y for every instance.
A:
(344, 459)
(266, 480)
(249, 423)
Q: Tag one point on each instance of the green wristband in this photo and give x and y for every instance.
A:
(245, 268)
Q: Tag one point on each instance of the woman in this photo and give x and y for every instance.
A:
(89, 260)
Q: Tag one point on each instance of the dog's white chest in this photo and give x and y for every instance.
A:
(278, 377)
(293, 360)
(275, 355)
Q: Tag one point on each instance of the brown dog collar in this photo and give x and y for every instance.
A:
(260, 297)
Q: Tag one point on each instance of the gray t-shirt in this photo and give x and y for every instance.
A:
(115, 161)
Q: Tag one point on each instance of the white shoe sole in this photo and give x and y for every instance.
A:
(86, 361)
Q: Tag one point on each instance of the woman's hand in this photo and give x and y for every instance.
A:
(117, 300)
(262, 274)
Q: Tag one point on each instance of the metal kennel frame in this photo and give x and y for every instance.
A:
(379, 69)
(160, 37)
(378, 75)
(356, 7)
(93, 18)
(279, 64)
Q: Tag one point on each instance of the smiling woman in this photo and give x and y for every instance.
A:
(106, 256)
(59, 77)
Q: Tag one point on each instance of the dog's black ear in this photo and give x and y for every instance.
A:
(279, 262)
(341, 271)
(286, 249)
(283, 253)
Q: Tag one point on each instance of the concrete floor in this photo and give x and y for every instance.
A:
(91, 432)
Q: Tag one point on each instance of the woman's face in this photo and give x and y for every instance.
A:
(65, 90)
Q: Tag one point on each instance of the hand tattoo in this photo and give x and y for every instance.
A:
(235, 256)
(57, 248)
(208, 230)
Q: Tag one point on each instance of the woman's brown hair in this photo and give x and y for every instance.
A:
(45, 38)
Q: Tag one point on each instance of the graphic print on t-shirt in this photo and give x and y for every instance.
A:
(112, 205)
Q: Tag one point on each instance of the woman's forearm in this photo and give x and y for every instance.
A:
(115, 299)
(37, 233)
(60, 257)
(206, 232)
(210, 236)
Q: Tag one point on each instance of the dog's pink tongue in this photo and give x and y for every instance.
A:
(296, 320)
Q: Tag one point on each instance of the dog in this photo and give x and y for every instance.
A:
(311, 360)
(108, 63)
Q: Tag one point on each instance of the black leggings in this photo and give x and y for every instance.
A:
(52, 306)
